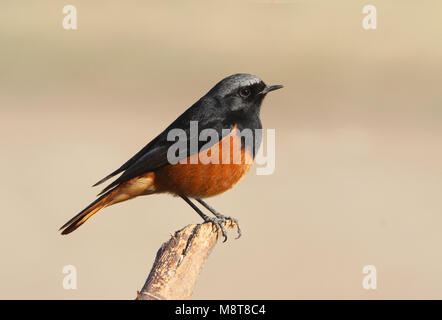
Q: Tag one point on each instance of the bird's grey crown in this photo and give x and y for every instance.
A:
(233, 82)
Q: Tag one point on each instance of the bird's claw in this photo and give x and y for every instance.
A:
(220, 223)
(235, 222)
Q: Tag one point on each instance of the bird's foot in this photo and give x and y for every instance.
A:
(235, 223)
(220, 222)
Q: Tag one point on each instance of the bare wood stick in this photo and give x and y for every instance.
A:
(179, 261)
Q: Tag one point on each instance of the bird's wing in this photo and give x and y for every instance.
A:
(154, 154)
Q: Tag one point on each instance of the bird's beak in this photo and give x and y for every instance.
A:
(271, 88)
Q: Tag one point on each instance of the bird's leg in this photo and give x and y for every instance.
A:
(220, 216)
(218, 222)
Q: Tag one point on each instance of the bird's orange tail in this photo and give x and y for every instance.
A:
(141, 185)
(88, 212)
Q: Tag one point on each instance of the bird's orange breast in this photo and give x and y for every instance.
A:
(199, 177)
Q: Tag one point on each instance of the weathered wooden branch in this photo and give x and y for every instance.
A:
(179, 262)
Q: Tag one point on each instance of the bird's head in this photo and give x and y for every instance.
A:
(241, 92)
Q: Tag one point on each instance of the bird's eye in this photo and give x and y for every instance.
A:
(244, 92)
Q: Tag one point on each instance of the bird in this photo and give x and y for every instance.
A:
(230, 108)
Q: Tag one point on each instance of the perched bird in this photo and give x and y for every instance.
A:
(231, 107)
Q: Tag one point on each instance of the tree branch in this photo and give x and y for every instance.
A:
(179, 262)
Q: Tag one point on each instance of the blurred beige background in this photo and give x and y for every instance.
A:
(358, 153)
